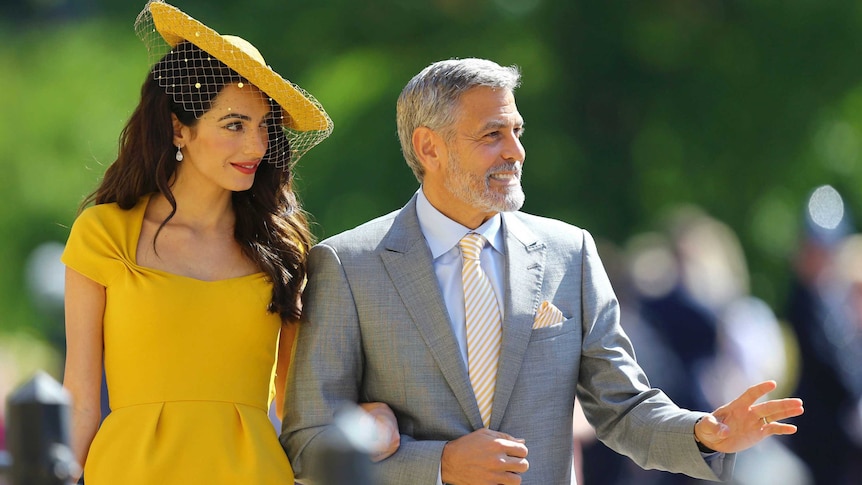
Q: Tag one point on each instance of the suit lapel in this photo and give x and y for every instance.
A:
(525, 258)
(408, 261)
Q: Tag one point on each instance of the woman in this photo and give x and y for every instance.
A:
(185, 276)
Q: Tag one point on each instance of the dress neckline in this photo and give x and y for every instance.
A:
(137, 217)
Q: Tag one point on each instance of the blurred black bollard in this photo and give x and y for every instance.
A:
(37, 433)
(345, 456)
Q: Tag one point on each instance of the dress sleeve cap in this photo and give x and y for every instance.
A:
(92, 248)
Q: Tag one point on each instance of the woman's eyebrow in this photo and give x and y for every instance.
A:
(235, 115)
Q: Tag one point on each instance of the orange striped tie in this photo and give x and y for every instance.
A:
(484, 325)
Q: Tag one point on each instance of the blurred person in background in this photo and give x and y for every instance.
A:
(185, 276)
(682, 281)
(820, 309)
(849, 302)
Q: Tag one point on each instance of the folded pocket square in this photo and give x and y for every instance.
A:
(547, 316)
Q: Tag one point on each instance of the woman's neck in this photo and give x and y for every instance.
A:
(198, 207)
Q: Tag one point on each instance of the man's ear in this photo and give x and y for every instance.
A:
(430, 148)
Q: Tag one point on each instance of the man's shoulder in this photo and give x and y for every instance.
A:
(367, 234)
(546, 228)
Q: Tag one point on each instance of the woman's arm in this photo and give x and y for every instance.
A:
(285, 347)
(85, 309)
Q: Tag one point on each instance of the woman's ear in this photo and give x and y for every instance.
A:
(181, 131)
(430, 148)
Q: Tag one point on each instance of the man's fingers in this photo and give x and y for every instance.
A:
(517, 465)
(499, 434)
(779, 409)
(755, 392)
(517, 450)
(515, 447)
(779, 428)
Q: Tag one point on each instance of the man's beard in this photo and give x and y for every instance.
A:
(476, 190)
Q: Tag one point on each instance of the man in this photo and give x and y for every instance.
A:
(387, 319)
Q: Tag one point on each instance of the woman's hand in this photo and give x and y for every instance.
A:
(386, 439)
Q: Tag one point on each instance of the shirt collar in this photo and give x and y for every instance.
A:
(442, 233)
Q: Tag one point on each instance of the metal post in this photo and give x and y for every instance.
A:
(37, 432)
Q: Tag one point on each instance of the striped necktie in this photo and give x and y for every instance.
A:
(484, 325)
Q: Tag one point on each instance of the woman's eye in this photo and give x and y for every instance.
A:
(237, 126)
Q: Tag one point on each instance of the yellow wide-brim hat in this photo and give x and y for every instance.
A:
(174, 26)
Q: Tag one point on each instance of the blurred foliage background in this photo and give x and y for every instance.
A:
(632, 108)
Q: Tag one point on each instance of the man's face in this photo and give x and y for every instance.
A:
(482, 175)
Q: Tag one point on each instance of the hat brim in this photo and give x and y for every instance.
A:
(175, 26)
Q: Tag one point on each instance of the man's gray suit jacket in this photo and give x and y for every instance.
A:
(375, 328)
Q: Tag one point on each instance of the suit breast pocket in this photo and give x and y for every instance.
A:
(555, 331)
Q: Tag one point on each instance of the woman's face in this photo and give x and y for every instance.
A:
(225, 147)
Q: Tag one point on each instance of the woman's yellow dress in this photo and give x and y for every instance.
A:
(189, 366)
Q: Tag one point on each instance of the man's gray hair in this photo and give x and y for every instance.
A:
(431, 98)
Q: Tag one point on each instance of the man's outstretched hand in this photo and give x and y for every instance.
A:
(740, 424)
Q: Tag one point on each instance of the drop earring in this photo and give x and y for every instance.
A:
(179, 153)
